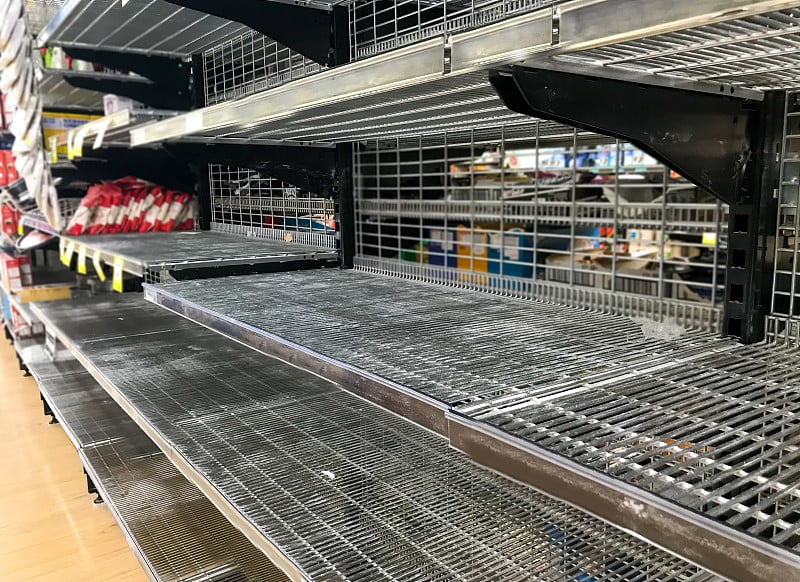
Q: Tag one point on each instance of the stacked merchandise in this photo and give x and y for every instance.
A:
(15, 273)
(132, 205)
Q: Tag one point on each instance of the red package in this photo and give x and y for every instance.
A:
(151, 213)
(163, 210)
(176, 209)
(85, 212)
(10, 217)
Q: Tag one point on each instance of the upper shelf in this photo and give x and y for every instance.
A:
(175, 251)
(153, 27)
(432, 85)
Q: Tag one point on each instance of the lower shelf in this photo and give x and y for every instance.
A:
(328, 485)
(643, 425)
(174, 530)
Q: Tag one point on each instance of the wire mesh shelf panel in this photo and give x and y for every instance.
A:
(245, 202)
(759, 52)
(700, 420)
(532, 202)
(783, 322)
(377, 26)
(251, 63)
(346, 490)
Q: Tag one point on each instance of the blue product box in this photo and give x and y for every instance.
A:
(516, 246)
(440, 240)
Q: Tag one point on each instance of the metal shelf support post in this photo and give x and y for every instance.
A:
(751, 228)
(726, 145)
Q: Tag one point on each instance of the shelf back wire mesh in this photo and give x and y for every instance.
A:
(247, 203)
(783, 324)
(377, 26)
(534, 210)
(40, 12)
(251, 63)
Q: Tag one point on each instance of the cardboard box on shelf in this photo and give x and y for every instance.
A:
(441, 247)
(15, 272)
(57, 123)
(114, 103)
(511, 252)
(44, 293)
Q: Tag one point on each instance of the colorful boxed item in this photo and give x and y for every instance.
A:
(472, 249)
(15, 272)
(57, 123)
(441, 247)
(511, 252)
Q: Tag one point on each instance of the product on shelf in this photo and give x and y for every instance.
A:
(132, 205)
(15, 272)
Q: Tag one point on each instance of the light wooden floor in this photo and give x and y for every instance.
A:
(49, 528)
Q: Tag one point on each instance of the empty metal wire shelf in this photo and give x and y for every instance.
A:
(178, 533)
(701, 421)
(345, 489)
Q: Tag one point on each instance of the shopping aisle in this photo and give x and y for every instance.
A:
(50, 529)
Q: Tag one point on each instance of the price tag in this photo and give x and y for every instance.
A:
(20, 229)
(98, 266)
(116, 279)
(66, 249)
(82, 260)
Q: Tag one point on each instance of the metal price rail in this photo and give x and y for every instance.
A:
(327, 485)
(174, 531)
(685, 438)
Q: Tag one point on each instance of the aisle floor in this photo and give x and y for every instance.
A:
(50, 529)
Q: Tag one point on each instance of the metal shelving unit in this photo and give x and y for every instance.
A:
(173, 529)
(415, 87)
(630, 408)
(154, 253)
(687, 418)
(328, 486)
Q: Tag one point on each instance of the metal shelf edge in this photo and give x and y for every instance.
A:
(181, 463)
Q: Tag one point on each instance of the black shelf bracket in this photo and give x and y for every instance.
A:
(345, 205)
(304, 29)
(307, 167)
(726, 145)
(166, 82)
(705, 138)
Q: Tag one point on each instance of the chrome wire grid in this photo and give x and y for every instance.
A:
(346, 490)
(183, 536)
(197, 249)
(377, 26)
(249, 63)
(438, 105)
(701, 421)
(176, 529)
(540, 201)
(782, 324)
(245, 198)
(143, 26)
(758, 52)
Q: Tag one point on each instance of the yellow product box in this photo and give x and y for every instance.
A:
(57, 123)
(44, 293)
